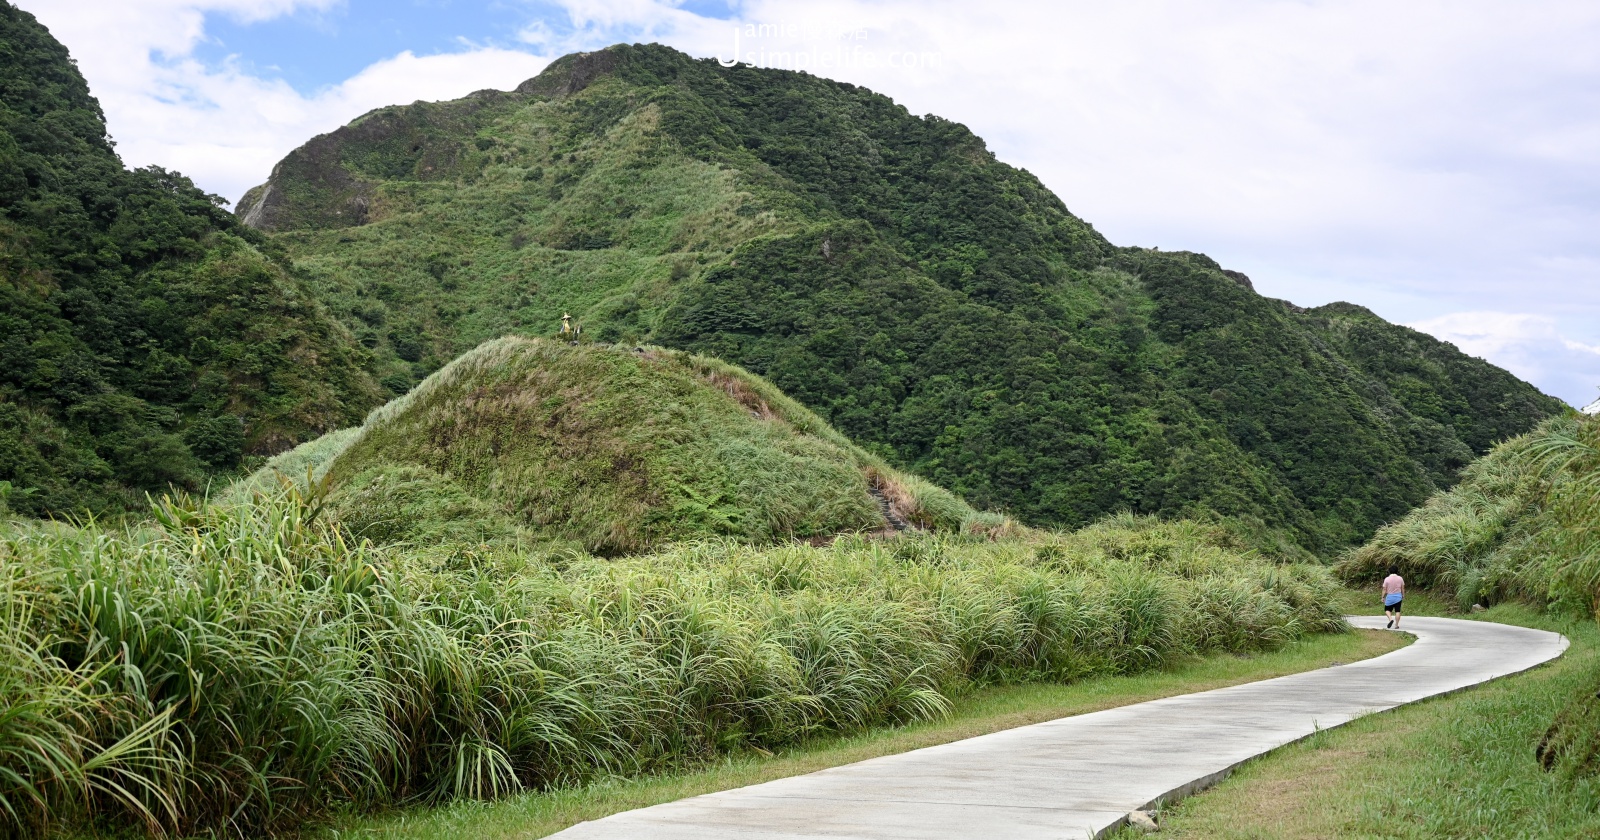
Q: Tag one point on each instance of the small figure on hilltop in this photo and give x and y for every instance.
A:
(568, 331)
(1394, 591)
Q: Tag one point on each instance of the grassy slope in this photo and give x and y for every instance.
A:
(940, 307)
(1517, 758)
(240, 667)
(1505, 532)
(1457, 766)
(979, 713)
(1524, 526)
(613, 449)
(147, 338)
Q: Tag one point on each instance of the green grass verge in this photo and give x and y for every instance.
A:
(1418, 602)
(1457, 766)
(977, 713)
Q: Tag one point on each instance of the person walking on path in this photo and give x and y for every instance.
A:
(1394, 591)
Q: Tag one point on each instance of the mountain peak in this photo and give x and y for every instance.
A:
(930, 301)
(572, 73)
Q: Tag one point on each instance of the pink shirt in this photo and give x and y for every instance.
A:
(1394, 585)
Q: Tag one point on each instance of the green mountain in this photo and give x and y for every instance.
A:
(146, 337)
(615, 450)
(1476, 403)
(939, 306)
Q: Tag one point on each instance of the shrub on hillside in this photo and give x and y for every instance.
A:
(1523, 524)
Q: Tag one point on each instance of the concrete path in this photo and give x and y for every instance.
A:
(1079, 776)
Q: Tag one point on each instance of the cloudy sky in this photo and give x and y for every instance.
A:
(1438, 162)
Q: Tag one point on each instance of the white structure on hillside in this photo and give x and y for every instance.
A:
(1591, 408)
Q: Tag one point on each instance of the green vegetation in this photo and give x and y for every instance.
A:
(1456, 766)
(241, 666)
(1524, 523)
(1517, 758)
(617, 450)
(147, 339)
(940, 308)
(1434, 382)
(549, 564)
(980, 712)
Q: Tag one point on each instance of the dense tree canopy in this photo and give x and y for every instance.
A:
(146, 339)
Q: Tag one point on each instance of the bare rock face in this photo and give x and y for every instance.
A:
(330, 195)
(1238, 277)
(569, 74)
(330, 181)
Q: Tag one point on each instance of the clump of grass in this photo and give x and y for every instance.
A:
(68, 741)
(239, 666)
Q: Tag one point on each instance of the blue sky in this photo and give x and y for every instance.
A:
(312, 49)
(1437, 161)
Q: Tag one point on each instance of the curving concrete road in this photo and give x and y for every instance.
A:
(1078, 777)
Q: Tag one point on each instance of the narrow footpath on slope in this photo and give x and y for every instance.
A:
(1079, 777)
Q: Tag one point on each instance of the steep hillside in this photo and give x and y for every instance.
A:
(616, 449)
(1479, 404)
(1523, 523)
(941, 307)
(146, 337)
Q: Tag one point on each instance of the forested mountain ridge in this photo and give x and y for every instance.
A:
(940, 307)
(1481, 403)
(146, 337)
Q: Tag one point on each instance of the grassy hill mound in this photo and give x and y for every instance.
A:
(932, 303)
(615, 448)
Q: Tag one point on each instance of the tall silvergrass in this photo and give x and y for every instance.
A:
(1524, 523)
(1573, 454)
(68, 741)
(239, 667)
(1571, 537)
(1521, 524)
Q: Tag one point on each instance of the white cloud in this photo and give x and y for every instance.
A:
(225, 127)
(1530, 346)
